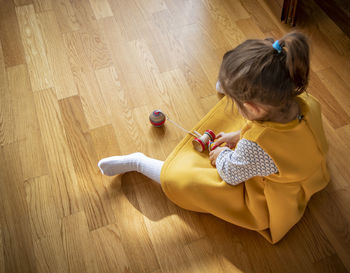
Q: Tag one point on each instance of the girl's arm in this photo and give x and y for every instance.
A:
(246, 161)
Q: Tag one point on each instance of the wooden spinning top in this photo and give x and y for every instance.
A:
(202, 142)
(157, 118)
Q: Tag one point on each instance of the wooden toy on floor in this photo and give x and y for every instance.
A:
(200, 142)
(157, 118)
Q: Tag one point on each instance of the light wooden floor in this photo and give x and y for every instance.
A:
(78, 80)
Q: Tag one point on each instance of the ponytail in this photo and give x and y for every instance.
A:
(296, 49)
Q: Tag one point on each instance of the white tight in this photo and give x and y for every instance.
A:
(149, 167)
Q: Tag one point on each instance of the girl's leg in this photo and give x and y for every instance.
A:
(114, 165)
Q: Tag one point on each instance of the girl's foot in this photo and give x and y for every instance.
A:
(121, 164)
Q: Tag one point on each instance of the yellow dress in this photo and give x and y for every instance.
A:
(271, 205)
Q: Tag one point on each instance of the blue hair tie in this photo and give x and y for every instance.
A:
(277, 46)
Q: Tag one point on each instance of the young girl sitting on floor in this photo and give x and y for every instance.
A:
(275, 158)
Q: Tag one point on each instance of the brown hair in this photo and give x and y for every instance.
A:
(254, 71)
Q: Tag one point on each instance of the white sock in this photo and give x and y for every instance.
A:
(219, 88)
(114, 165)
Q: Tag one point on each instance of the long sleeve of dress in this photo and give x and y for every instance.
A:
(247, 160)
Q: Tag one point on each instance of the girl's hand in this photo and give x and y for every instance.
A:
(214, 154)
(230, 139)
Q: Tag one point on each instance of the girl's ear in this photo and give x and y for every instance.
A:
(255, 109)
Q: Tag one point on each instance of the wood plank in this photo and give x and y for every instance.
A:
(25, 125)
(334, 83)
(101, 8)
(334, 220)
(56, 55)
(115, 97)
(228, 26)
(159, 221)
(14, 219)
(50, 254)
(148, 72)
(41, 211)
(110, 254)
(344, 134)
(77, 244)
(65, 14)
(42, 5)
(195, 77)
(313, 245)
(228, 244)
(262, 19)
(124, 58)
(10, 36)
(131, 224)
(129, 18)
(148, 7)
(176, 88)
(160, 41)
(6, 113)
(181, 11)
(331, 108)
(338, 150)
(96, 206)
(60, 164)
(202, 257)
(207, 57)
(2, 252)
(34, 48)
(208, 102)
(22, 2)
(250, 29)
(96, 112)
(84, 14)
(331, 264)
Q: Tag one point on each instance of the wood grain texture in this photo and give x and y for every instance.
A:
(101, 8)
(15, 223)
(78, 80)
(34, 48)
(2, 258)
(96, 112)
(50, 254)
(65, 15)
(6, 126)
(22, 2)
(24, 121)
(332, 109)
(110, 257)
(76, 239)
(60, 164)
(56, 56)
(42, 5)
(42, 214)
(97, 209)
(10, 36)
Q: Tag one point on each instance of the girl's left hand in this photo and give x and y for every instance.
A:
(214, 154)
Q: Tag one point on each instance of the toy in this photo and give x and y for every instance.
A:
(211, 146)
(200, 142)
(157, 118)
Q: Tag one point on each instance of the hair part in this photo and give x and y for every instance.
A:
(254, 71)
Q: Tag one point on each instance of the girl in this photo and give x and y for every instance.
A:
(275, 158)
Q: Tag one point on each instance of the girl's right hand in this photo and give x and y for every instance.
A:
(230, 139)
